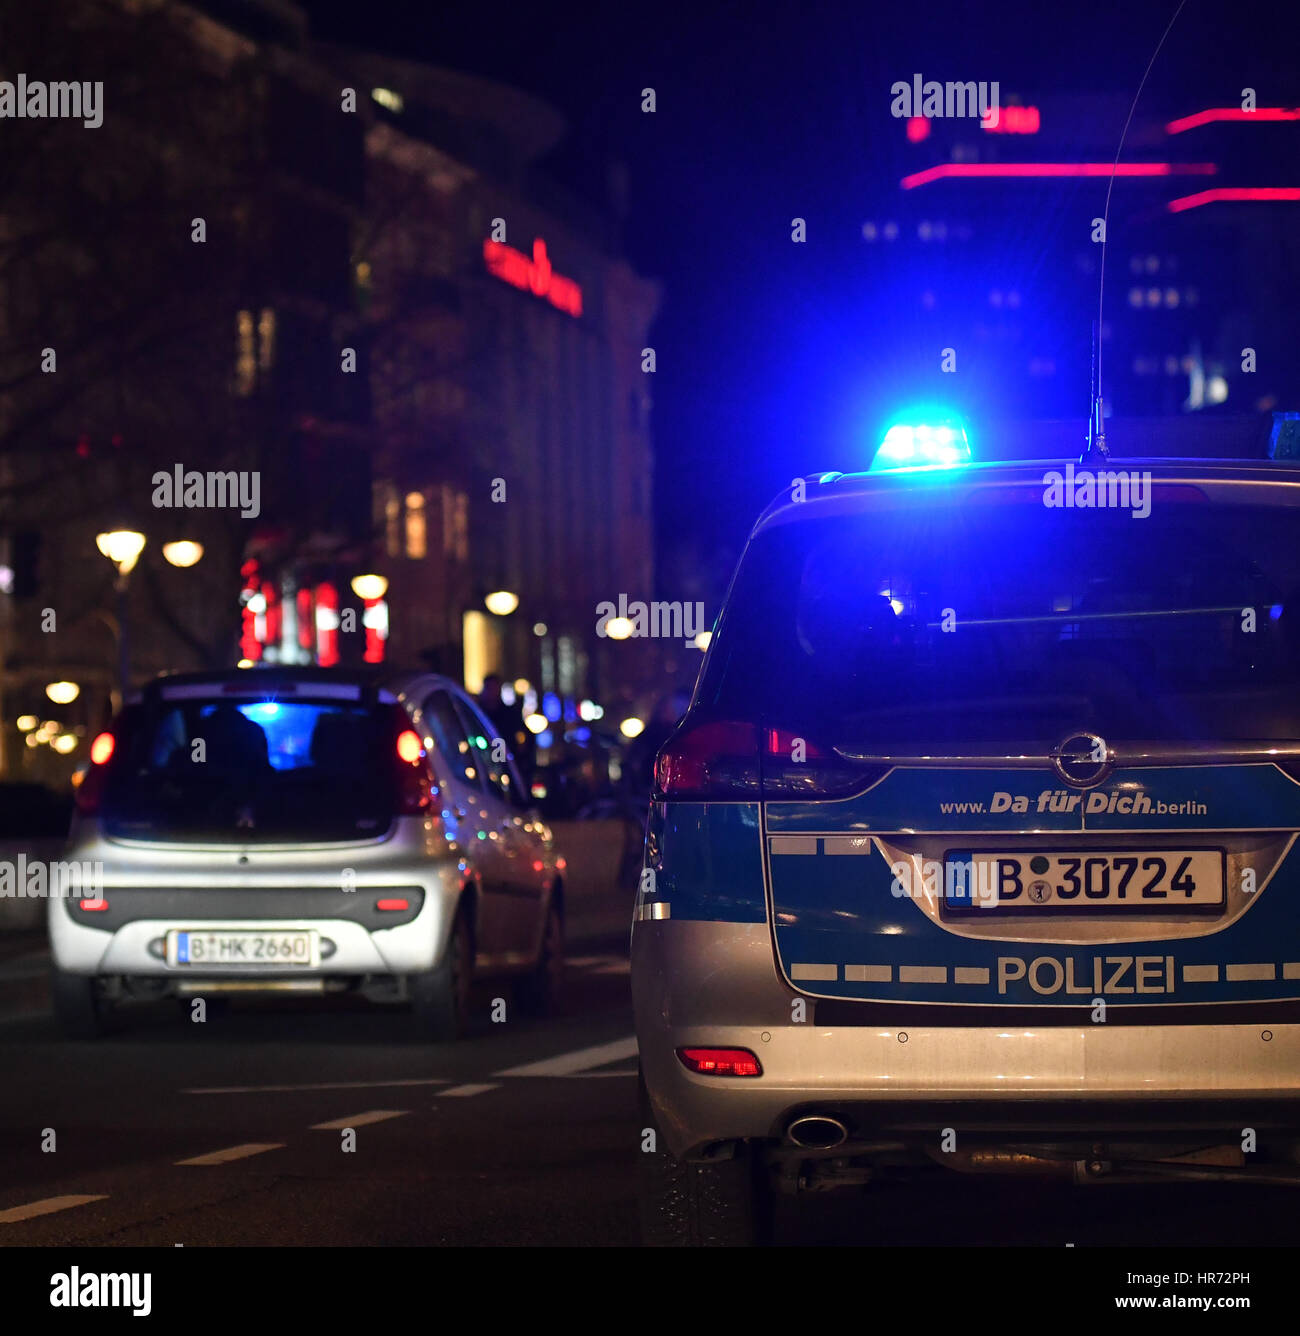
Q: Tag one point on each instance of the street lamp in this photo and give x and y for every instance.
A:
(122, 547)
(501, 602)
(368, 587)
(183, 553)
(63, 693)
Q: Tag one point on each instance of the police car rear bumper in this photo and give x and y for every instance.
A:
(712, 984)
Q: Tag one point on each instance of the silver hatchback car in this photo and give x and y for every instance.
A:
(305, 830)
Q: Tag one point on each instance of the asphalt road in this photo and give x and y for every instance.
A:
(231, 1133)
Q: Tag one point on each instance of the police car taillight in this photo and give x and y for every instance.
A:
(720, 1061)
(715, 759)
(729, 760)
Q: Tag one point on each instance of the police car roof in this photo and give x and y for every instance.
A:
(827, 492)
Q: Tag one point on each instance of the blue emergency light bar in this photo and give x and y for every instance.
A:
(910, 445)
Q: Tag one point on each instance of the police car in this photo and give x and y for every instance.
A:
(975, 847)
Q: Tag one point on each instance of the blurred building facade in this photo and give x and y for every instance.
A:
(991, 246)
(429, 354)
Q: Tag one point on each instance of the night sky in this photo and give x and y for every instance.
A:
(768, 111)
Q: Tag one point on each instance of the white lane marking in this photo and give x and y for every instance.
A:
(319, 1085)
(359, 1120)
(234, 1153)
(565, 1064)
(46, 1206)
(595, 1076)
(1241, 973)
(473, 1088)
(1200, 974)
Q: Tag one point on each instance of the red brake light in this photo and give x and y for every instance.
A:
(90, 791)
(724, 760)
(720, 1061)
(392, 904)
(415, 787)
(709, 758)
(93, 904)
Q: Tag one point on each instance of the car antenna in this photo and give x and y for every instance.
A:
(1096, 447)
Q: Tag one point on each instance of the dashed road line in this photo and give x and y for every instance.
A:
(318, 1085)
(359, 1120)
(46, 1206)
(472, 1088)
(565, 1064)
(234, 1153)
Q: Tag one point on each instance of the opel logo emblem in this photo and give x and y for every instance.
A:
(1083, 760)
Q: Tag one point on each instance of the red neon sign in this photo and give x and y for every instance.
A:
(250, 647)
(1200, 118)
(327, 624)
(1225, 194)
(533, 275)
(1057, 169)
(1014, 121)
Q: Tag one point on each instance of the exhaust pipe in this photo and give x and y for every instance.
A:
(817, 1131)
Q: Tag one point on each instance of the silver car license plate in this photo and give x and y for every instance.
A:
(294, 947)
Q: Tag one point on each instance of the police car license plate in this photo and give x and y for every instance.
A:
(243, 948)
(1146, 880)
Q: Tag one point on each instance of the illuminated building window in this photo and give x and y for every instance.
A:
(392, 519)
(455, 523)
(417, 534)
(245, 358)
(266, 339)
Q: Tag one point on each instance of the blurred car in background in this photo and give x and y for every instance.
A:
(306, 830)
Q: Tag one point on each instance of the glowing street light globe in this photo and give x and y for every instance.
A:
(632, 728)
(501, 602)
(122, 547)
(619, 628)
(183, 553)
(537, 723)
(63, 693)
(369, 587)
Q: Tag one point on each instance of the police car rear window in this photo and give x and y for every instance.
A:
(934, 625)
